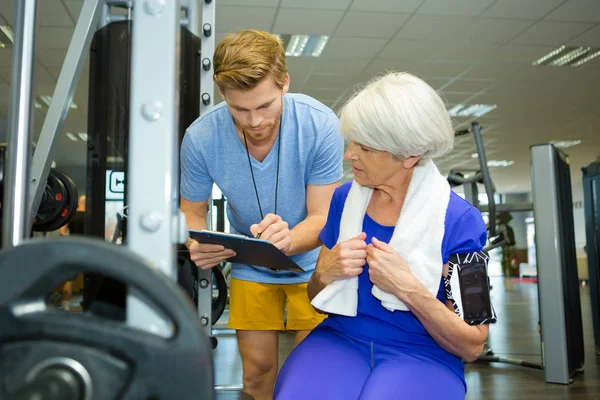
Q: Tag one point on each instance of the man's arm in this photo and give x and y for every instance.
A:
(195, 214)
(305, 235)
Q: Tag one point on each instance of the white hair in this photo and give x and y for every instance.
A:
(400, 114)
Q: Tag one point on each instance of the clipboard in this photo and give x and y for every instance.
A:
(257, 252)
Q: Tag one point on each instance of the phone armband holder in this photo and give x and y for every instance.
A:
(468, 287)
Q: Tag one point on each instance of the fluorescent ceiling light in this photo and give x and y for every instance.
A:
(6, 35)
(572, 56)
(563, 144)
(71, 136)
(83, 136)
(48, 99)
(503, 163)
(475, 155)
(303, 45)
(471, 110)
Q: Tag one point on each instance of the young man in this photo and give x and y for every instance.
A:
(277, 157)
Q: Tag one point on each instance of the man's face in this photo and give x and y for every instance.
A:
(256, 112)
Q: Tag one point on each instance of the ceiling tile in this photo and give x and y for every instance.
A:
(409, 49)
(74, 8)
(53, 13)
(440, 28)
(307, 22)
(299, 69)
(320, 4)
(455, 7)
(255, 3)
(436, 28)
(351, 66)
(493, 70)
(5, 57)
(53, 38)
(332, 81)
(470, 85)
(577, 10)
(361, 24)
(52, 57)
(7, 11)
(530, 9)
(441, 68)
(323, 94)
(343, 48)
(42, 76)
(590, 37)
(551, 33)
(232, 19)
(405, 6)
(463, 51)
(381, 66)
(5, 74)
(519, 53)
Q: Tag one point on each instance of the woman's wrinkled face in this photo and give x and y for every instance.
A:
(371, 167)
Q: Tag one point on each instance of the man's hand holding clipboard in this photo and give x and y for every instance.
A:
(205, 255)
(275, 230)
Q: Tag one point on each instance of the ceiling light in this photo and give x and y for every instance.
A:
(83, 136)
(303, 45)
(471, 110)
(503, 163)
(563, 144)
(475, 155)
(48, 99)
(6, 35)
(71, 136)
(572, 56)
(587, 58)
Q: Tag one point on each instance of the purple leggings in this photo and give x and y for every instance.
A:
(329, 366)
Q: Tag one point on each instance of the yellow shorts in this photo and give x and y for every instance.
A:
(257, 306)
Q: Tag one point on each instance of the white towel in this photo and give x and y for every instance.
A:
(417, 238)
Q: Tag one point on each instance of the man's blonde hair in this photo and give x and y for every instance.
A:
(243, 60)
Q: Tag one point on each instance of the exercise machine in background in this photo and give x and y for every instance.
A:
(591, 204)
(561, 328)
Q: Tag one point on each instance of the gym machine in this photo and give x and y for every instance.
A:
(561, 327)
(591, 204)
(162, 351)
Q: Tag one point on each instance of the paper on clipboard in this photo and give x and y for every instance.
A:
(252, 251)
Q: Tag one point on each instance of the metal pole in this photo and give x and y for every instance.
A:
(487, 180)
(207, 46)
(61, 100)
(154, 217)
(16, 224)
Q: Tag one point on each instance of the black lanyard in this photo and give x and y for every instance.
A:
(276, 177)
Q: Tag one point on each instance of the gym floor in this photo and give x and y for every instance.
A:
(514, 336)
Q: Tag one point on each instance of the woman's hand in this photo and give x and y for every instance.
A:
(345, 260)
(388, 271)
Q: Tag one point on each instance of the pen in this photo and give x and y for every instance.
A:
(258, 236)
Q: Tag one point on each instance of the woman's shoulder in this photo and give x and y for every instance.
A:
(341, 192)
(465, 228)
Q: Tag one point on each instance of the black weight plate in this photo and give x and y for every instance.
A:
(220, 302)
(69, 196)
(54, 201)
(177, 367)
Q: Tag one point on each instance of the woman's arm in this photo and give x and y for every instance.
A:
(391, 273)
(447, 329)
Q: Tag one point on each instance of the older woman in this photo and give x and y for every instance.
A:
(392, 331)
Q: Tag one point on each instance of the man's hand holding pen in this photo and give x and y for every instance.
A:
(275, 230)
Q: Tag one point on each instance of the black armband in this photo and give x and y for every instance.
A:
(468, 288)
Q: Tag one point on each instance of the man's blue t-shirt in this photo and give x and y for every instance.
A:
(465, 231)
(311, 154)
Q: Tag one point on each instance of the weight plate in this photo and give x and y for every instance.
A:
(60, 203)
(178, 367)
